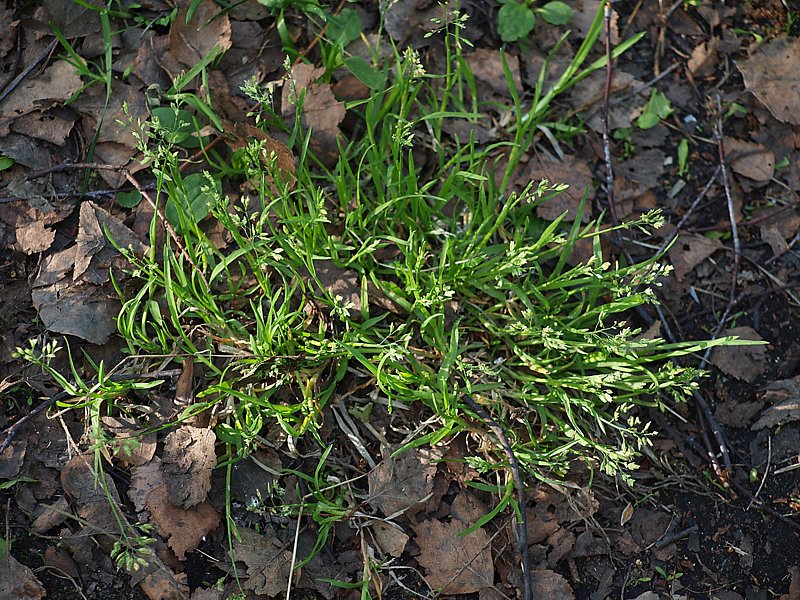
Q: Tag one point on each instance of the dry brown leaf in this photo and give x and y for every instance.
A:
(12, 458)
(777, 227)
(94, 249)
(184, 388)
(55, 85)
(144, 480)
(79, 480)
(189, 457)
(27, 151)
(86, 311)
(704, 58)
(626, 515)
(742, 362)
(467, 507)
(561, 543)
(343, 283)
(72, 19)
(689, 251)
(183, 528)
(132, 447)
(267, 561)
(645, 167)
(794, 585)
(750, 159)
(406, 19)
(772, 74)
(273, 149)
(785, 398)
(17, 582)
(209, 594)
(209, 27)
(573, 172)
(453, 563)
(51, 126)
(322, 112)
(157, 580)
(8, 34)
(588, 96)
(402, 482)
(391, 538)
(51, 516)
(92, 498)
(116, 122)
(486, 64)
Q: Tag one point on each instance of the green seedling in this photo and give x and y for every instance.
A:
(658, 107)
(516, 20)
(683, 157)
(624, 135)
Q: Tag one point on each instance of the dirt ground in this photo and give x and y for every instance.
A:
(689, 527)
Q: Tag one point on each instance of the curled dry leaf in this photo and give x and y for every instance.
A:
(785, 398)
(267, 561)
(750, 159)
(391, 538)
(571, 171)
(56, 84)
(321, 113)
(704, 58)
(689, 251)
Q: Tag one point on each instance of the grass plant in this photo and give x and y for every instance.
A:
(484, 297)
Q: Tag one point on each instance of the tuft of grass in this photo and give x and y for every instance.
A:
(448, 285)
(484, 299)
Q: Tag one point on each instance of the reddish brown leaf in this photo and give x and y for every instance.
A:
(183, 528)
(188, 460)
(208, 27)
(453, 563)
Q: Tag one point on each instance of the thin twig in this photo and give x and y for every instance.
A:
(71, 165)
(678, 535)
(606, 141)
(12, 431)
(647, 85)
(17, 60)
(707, 421)
(294, 552)
(766, 472)
(716, 430)
(689, 212)
(516, 473)
(27, 71)
(737, 247)
(749, 223)
(759, 504)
